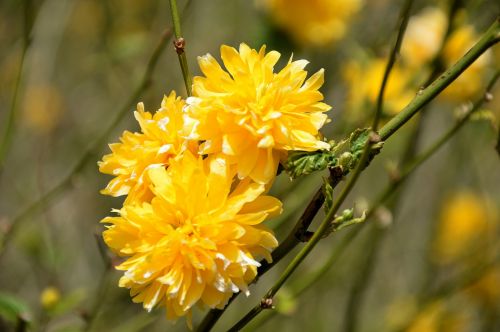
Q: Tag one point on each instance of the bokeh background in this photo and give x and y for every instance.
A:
(427, 262)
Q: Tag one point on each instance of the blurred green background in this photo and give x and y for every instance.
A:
(84, 64)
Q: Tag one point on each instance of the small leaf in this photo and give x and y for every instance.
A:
(11, 307)
(328, 192)
(345, 154)
(347, 219)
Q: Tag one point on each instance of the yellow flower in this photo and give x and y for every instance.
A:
(423, 36)
(158, 142)
(50, 297)
(364, 82)
(198, 241)
(486, 289)
(437, 316)
(464, 223)
(316, 22)
(253, 115)
(423, 39)
(43, 108)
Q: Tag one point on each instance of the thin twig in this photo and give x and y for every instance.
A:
(361, 281)
(305, 282)
(424, 156)
(490, 38)
(180, 46)
(437, 65)
(8, 129)
(404, 17)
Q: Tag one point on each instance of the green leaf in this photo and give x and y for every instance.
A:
(11, 307)
(344, 154)
(347, 219)
(328, 192)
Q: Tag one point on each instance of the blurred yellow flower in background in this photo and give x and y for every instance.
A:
(313, 22)
(43, 108)
(464, 225)
(422, 42)
(423, 36)
(252, 115)
(486, 289)
(49, 297)
(160, 140)
(436, 317)
(364, 80)
(198, 241)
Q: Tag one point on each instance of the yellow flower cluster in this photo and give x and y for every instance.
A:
(423, 38)
(313, 22)
(191, 228)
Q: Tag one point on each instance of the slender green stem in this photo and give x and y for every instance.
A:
(180, 46)
(420, 159)
(491, 37)
(66, 182)
(307, 281)
(8, 129)
(488, 39)
(404, 17)
(99, 299)
(497, 147)
(361, 282)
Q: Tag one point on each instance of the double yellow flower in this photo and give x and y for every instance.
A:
(190, 230)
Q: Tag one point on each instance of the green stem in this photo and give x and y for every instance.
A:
(179, 44)
(491, 37)
(361, 282)
(434, 147)
(307, 281)
(11, 116)
(404, 17)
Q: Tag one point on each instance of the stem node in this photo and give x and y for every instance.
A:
(267, 303)
(179, 45)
